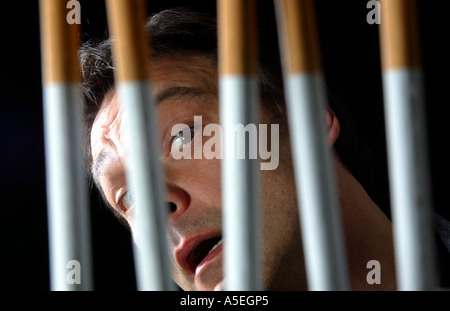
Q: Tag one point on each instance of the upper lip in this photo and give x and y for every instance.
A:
(184, 251)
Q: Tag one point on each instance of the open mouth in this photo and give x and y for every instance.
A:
(202, 250)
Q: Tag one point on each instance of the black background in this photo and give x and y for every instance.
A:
(352, 69)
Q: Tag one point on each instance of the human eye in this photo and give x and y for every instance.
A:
(182, 139)
(126, 201)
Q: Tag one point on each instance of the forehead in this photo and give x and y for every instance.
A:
(193, 71)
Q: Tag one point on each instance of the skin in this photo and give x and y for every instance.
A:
(193, 188)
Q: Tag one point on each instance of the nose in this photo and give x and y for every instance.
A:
(178, 201)
(172, 207)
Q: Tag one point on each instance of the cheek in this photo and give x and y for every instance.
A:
(278, 200)
(206, 177)
(279, 206)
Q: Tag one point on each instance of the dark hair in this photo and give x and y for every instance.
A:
(175, 32)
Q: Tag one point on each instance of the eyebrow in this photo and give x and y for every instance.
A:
(178, 91)
(99, 165)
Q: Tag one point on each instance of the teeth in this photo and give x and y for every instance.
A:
(216, 246)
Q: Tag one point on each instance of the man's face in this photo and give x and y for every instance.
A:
(186, 88)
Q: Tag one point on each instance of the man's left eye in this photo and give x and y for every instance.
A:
(127, 201)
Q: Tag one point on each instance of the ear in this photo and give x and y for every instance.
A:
(333, 127)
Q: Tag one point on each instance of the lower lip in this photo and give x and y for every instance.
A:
(208, 260)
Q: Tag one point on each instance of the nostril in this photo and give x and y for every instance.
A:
(172, 207)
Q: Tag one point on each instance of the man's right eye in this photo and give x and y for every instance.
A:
(127, 201)
(182, 139)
